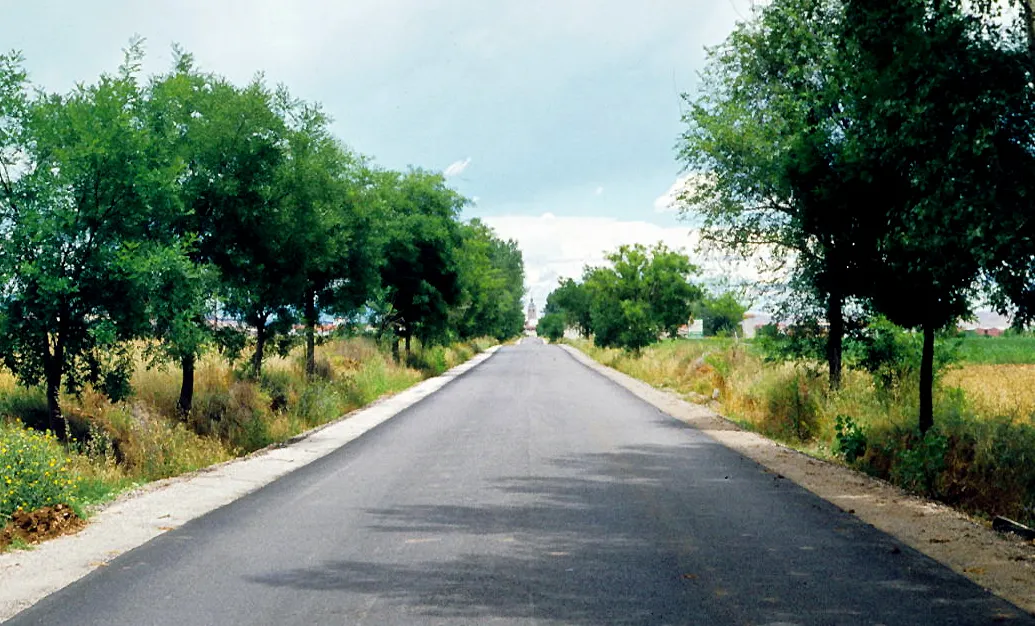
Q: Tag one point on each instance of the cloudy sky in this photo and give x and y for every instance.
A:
(559, 117)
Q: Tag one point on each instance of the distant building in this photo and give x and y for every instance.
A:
(531, 316)
(752, 322)
(986, 323)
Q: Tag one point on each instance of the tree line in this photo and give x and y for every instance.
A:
(150, 211)
(640, 296)
(883, 151)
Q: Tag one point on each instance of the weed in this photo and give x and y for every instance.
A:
(850, 440)
(34, 471)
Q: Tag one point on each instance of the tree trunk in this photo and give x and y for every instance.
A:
(927, 380)
(310, 334)
(53, 376)
(52, 373)
(407, 340)
(186, 401)
(395, 349)
(835, 337)
(260, 347)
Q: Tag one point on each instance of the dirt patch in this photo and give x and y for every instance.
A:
(1003, 564)
(40, 525)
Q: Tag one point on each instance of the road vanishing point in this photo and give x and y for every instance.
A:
(531, 490)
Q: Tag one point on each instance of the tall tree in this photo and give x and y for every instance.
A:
(491, 284)
(228, 140)
(643, 293)
(572, 300)
(419, 237)
(329, 231)
(945, 112)
(77, 218)
(766, 139)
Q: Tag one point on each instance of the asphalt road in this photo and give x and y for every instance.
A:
(531, 490)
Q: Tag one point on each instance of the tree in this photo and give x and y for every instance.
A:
(228, 139)
(946, 129)
(551, 326)
(419, 236)
(76, 227)
(330, 226)
(722, 314)
(766, 139)
(491, 278)
(573, 301)
(641, 296)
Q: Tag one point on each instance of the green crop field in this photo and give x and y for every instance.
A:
(997, 350)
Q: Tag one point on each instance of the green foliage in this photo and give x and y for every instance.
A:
(419, 239)
(849, 439)
(77, 225)
(644, 293)
(813, 138)
(723, 315)
(572, 299)
(492, 278)
(551, 326)
(892, 355)
(919, 465)
(33, 471)
(803, 341)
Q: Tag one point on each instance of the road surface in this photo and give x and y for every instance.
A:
(531, 490)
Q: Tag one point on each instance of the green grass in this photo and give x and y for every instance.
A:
(1009, 350)
(119, 446)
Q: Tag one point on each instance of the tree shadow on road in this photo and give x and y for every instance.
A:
(645, 535)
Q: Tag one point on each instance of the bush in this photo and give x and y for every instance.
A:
(919, 465)
(33, 471)
(551, 326)
(849, 439)
(280, 385)
(892, 355)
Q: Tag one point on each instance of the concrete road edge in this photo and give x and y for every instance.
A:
(1005, 567)
(27, 576)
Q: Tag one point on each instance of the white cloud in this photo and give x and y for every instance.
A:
(457, 167)
(669, 201)
(560, 247)
(598, 191)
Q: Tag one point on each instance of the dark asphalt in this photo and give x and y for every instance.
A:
(531, 490)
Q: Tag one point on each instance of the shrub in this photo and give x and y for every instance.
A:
(33, 471)
(919, 465)
(280, 384)
(792, 406)
(849, 439)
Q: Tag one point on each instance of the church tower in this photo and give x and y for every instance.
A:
(532, 315)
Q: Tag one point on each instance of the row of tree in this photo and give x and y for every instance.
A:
(150, 211)
(884, 151)
(642, 295)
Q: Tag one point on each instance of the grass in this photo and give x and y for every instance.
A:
(1007, 350)
(110, 447)
(980, 456)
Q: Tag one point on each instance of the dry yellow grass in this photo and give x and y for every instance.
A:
(997, 390)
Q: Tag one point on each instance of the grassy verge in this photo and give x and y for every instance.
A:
(110, 447)
(979, 457)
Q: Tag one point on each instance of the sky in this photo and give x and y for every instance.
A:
(558, 118)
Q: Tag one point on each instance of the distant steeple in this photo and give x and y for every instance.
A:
(532, 315)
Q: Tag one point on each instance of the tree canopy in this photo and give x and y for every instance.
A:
(183, 211)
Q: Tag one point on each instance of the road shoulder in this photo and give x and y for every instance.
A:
(1004, 566)
(26, 576)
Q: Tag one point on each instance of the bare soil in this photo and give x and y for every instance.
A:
(39, 525)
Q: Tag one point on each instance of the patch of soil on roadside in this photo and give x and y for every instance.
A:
(40, 525)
